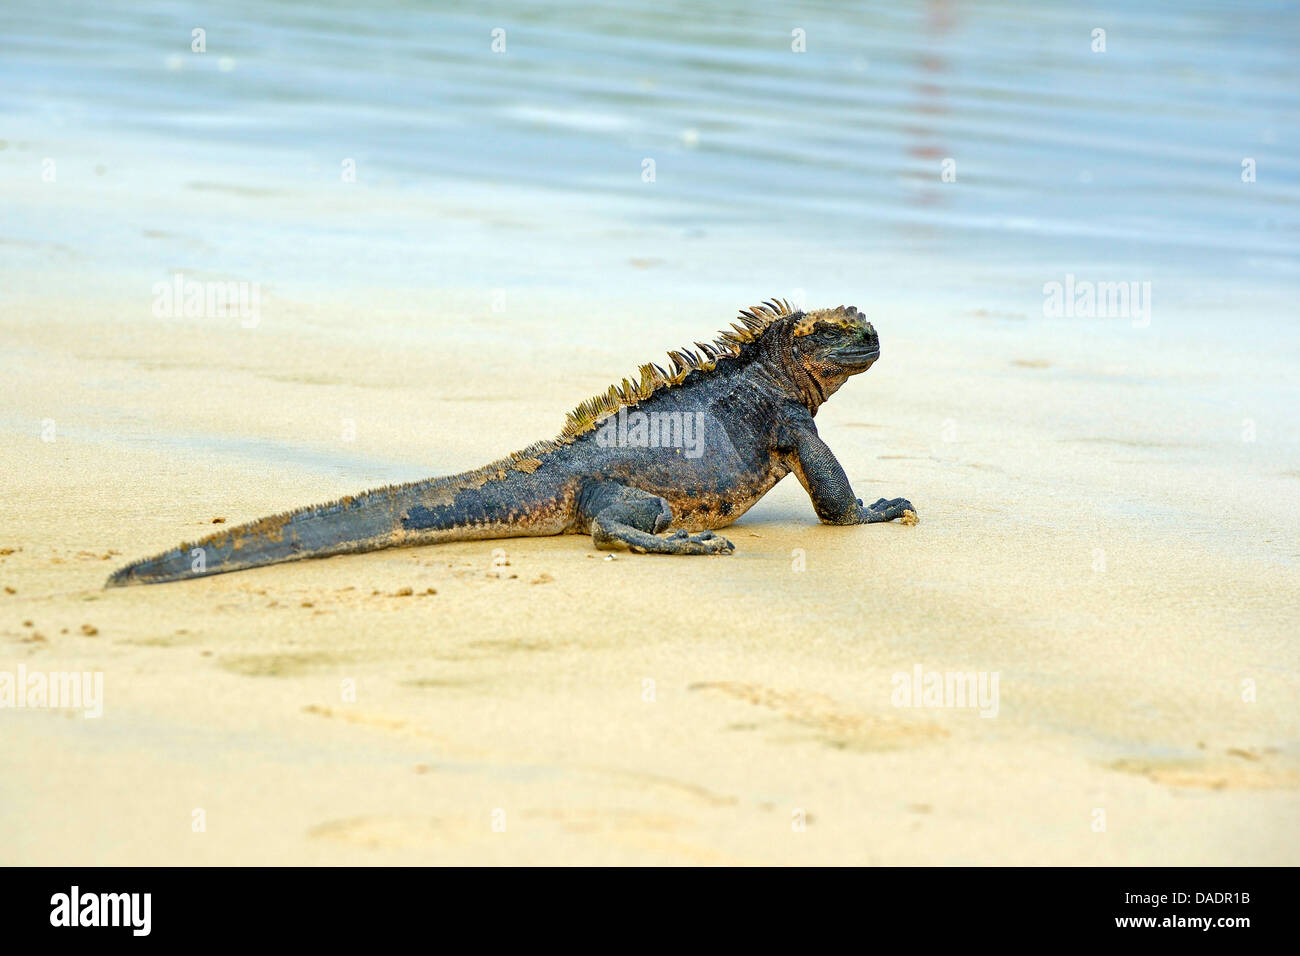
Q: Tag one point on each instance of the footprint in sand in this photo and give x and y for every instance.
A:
(1237, 769)
(394, 833)
(831, 724)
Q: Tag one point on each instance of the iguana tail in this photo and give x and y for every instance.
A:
(493, 502)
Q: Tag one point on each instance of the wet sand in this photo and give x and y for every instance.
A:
(1091, 530)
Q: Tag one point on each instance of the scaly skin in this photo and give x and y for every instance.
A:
(743, 409)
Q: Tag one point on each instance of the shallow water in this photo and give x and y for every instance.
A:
(1063, 156)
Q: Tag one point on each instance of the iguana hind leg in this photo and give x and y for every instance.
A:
(624, 517)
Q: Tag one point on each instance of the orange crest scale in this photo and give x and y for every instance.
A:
(754, 322)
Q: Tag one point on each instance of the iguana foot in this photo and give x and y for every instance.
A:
(706, 542)
(631, 518)
(885, 509)
(612, 535)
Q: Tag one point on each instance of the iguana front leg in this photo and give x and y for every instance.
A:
(824, 479)
(624, 517)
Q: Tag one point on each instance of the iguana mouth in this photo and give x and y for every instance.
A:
(855, 357)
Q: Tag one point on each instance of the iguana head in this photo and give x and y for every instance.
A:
(830, 345)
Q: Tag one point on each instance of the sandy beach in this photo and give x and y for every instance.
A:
(452, 245)
(641, 709)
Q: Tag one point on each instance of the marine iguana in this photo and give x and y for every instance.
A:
(691, 449)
